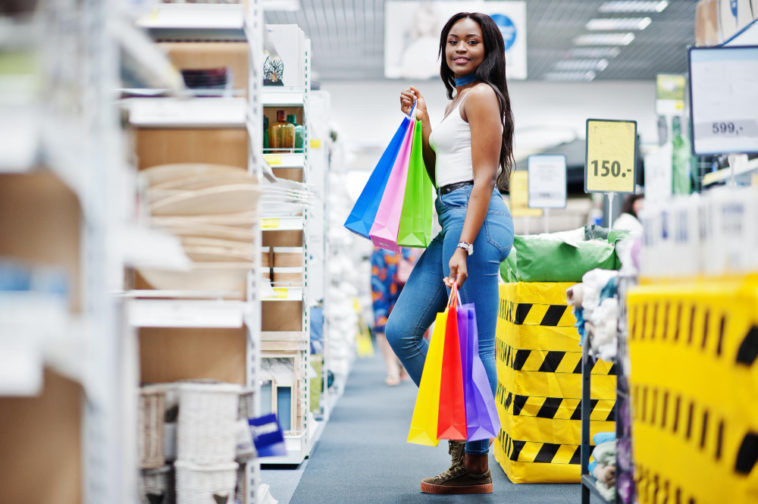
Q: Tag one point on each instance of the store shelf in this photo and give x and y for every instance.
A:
(724, 174)
(187, 113)
(186, 313)
(284, 294)
(282, 223)
(285, 160)
(295, 336)
(196, 21)
(589, 482)
(282, 97)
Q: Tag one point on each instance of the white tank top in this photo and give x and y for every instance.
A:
(451, 141)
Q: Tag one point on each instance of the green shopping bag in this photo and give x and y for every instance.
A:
(415, 228)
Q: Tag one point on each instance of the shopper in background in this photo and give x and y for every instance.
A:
(630, 212)
(463, 156)
(389, 272)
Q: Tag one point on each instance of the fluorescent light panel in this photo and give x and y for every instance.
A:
(594, 52)
(634, 6)
(609, 24)
(582, 64)
(618, 39)
(570, 76)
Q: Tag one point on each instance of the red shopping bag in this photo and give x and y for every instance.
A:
(451, 422)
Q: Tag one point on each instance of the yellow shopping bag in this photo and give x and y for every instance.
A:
(424, 422)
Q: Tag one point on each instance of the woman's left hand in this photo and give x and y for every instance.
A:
(458, 270)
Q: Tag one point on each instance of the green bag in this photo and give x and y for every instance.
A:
(535, 259)
(415, 228)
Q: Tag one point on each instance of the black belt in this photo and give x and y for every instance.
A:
(452, 187)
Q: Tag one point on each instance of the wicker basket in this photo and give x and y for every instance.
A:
(196, 484)
(156, 486)
(206, 430)
(152, 408)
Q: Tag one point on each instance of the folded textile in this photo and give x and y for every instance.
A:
(603, 437)
(575, 295)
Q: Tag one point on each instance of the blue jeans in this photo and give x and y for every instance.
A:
(425, 293)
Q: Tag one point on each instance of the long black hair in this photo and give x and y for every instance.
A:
(491, 71)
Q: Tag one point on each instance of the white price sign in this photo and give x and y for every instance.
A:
(724, 99)
(547, 181)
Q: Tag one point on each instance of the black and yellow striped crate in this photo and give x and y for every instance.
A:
(694, 386)
(540, 385)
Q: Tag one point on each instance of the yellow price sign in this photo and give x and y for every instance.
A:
(611, 162)
(273, 159)
(519, 190)
(271, 223)
(315, 143)
(281, 293)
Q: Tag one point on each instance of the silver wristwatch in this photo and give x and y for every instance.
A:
(468, 247)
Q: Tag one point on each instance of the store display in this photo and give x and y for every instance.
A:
(299, 131)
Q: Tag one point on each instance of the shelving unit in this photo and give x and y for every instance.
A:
(214, 334)
(66, 358)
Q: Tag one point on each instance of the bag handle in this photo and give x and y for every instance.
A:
(455, 298)
(413, 109)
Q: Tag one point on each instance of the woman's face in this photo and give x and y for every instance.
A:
(464, 50)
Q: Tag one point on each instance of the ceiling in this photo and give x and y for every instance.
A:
(348, 38)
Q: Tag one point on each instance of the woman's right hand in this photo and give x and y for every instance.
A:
(407, 98)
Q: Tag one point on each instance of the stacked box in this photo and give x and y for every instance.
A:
(540, 385)
(694, 390)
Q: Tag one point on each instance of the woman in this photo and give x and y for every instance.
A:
(463, 156)
(629, 220)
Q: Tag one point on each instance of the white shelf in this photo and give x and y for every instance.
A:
(282, 97)
(186, 313)
(725, 173)
(194, 17)
(285, 294)
(191, 112)
(282, 223)
(296, 336)
(297, 450)
(284, 159)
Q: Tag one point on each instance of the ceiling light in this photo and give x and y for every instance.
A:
(619, 39)
(570, 76)
(634, 6)
(582, 64)
(594, 52)
(618, 23)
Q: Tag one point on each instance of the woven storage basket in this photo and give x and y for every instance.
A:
(206, 431)
(196, 484)
(152, 408)
(156, 486)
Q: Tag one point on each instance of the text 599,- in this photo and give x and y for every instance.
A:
(726, 128)
(605, 167)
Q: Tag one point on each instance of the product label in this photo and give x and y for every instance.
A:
(547, 181)
(611, 161)
(273, 159)
(271, 223)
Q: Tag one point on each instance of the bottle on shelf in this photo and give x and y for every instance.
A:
(299, 131)
(265, 132)
(281, 134)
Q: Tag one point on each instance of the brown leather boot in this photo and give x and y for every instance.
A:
(472, 476)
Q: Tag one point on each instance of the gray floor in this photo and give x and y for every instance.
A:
(363, 457)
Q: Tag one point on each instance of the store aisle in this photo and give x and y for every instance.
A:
(362, 456)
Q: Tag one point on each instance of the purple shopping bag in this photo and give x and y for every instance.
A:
(387, 221)
(481, 412)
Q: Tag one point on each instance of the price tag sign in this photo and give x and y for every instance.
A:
(547, 181)
(273, 159)
(281, 293)
(271, 223)
(611, 160)
(519, 191)
(723, 98)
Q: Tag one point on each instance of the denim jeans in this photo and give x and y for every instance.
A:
(425, 294)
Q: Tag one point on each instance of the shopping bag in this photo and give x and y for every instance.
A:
(482, 421)
(415, 229)
(384, 230)
(423, 429)
(451, 422)
(364, 211)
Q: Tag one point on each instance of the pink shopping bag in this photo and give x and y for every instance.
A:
(387, 222)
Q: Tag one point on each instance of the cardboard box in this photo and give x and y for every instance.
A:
(41, 439)
(173, 354)
(205, 55)
(282, 316)
(158, 146)
(288, 257)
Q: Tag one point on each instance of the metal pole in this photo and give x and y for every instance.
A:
(547, 220)
(586, 411)
(610, 209)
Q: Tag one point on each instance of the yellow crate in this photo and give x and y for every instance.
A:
(540, 385)
(694, 385)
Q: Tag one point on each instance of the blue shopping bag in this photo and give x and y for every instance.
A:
(362, 216)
